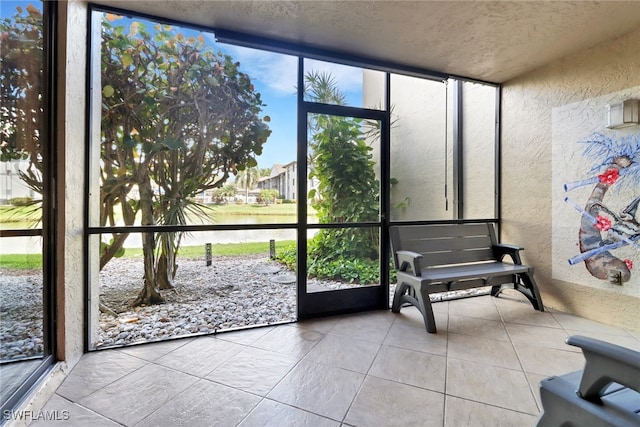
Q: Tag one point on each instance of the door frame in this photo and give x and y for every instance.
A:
(351, 300)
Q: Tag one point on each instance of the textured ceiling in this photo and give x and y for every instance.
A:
(486, 40)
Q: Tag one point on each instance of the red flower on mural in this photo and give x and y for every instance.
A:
(603, 223)
(610, 176)
(629, 263)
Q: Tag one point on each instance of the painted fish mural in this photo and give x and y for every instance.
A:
(603, 230)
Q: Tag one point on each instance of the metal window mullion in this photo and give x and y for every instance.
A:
(497, 163)
(458, 160)
(302, 190)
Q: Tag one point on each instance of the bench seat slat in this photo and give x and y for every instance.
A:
(459, 272)
(457, 257)
(457, 243)
(444, 230)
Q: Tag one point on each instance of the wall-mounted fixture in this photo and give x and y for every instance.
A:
(615, 277)
(623, 114)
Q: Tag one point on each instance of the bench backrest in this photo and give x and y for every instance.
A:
(442, 244)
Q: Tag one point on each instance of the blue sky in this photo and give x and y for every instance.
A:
(274, 76)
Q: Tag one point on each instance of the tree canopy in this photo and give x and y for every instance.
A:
(21, 88)
(177, 119)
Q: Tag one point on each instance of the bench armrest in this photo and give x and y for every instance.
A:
(500, 250)
(409, 259)
(606, 363)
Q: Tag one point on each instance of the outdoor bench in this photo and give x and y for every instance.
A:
(605, 393)
(447, 257)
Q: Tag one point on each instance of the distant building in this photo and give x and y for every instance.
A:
(283, 179)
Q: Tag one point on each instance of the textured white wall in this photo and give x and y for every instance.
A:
(571, 87)
(71, 152)
(479, 115)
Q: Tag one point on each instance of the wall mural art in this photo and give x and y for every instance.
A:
(615, 164)
(595, 196)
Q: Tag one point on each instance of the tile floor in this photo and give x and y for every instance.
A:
(482, 368)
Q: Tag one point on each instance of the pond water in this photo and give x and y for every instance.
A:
(17, 245)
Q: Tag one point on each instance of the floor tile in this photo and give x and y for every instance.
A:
(369, 326)
(344, 352)
(466, 413)
(69, 414)
(482, 350)
(275, 414)
(417, 338)
(97, 370)
(493, 385)
(156, 350)
(323, 324)
(522, 312)
(548, 361)
(477, 327)
(289, 340)
(253, 370)
(133, 397)
(200, 356)
(480, 307)
(534, 383)
(410, 367)
(538, 335)
(440, 307)
(365, 369)
(386, 403)
(411, 316)
(205, 404)
(245, 336)
(321, 389)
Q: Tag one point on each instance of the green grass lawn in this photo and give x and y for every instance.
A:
(20, 261)
(27, 217)
(226, 249)
(255, 209)
(34, 261)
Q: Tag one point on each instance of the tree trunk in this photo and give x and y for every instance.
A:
(149, 293)
(167, 264)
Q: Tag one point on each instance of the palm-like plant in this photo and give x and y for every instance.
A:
(248, 179)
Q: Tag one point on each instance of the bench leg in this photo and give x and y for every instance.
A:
(397, 296)
(528, 288)
(424, 305)
(419, 299)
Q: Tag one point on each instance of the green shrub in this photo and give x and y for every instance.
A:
(352, 270)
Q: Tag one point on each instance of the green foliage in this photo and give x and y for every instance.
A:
(268, 196)
(21, 91)
(341, 162)
(353, 270)
(177, 119)
(104, 247)
(220, 194)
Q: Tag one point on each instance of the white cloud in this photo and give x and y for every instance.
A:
(275, 71)
(279, 71)
(349, 79)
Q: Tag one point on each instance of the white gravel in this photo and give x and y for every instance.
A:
(233, 292)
